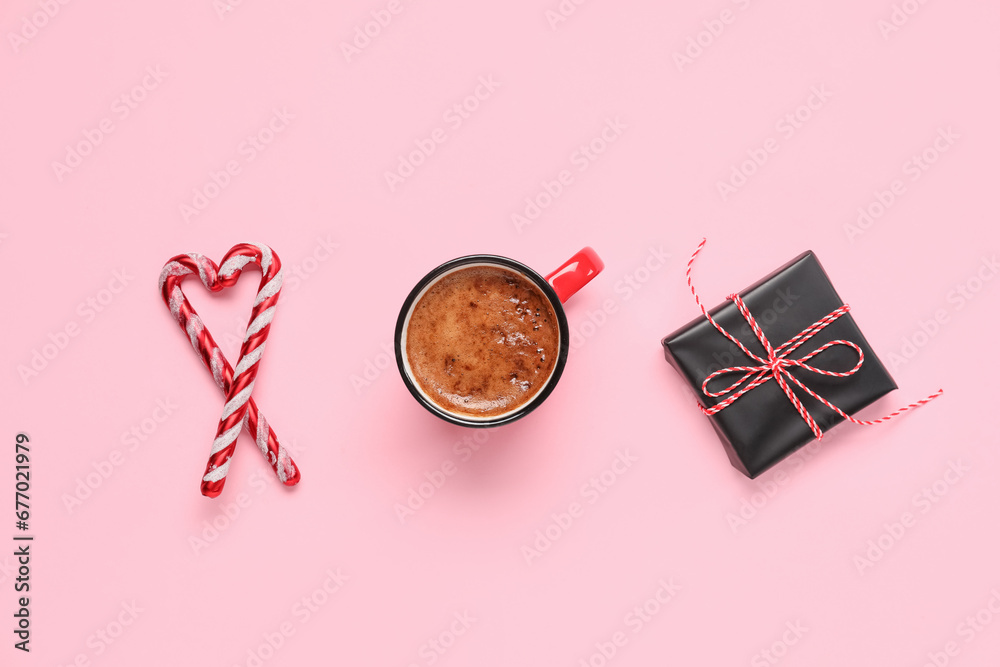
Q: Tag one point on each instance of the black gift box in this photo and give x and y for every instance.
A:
(762, 427)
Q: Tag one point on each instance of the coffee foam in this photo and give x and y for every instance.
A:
(481, 341)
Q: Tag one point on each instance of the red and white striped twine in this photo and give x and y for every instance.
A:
(777, 363)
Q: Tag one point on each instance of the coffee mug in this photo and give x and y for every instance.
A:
(482, 340)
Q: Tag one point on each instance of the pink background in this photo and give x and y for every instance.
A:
(363, 443)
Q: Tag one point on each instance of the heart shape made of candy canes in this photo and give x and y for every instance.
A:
(240, 410)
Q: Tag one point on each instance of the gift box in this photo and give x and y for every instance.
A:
(763, 424)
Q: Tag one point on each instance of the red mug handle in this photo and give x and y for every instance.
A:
(579, 270)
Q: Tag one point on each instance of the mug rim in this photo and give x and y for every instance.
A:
(557, 308)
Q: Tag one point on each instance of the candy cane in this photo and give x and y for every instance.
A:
(240, 410)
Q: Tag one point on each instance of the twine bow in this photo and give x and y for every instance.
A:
(777, 364)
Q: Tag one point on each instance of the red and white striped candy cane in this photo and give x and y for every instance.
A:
(240, 410)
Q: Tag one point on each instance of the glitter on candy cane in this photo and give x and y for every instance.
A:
(217, 365)
(176, 300)
(233, 264)
(271, 288)
(285, 466)
(202, 262)
(259, 323)
(262, 435)
(249, 360)
(218, 473)
(194, 327)
(175, 269)
(239, 399)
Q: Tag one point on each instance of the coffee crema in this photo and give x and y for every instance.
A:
(482, 341)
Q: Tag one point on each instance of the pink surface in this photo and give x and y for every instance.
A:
(204, 126)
